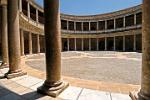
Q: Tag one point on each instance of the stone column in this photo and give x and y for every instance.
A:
(134, 19)
(4, 34)
(14, 40)
(22, 42)
(67, 25)
(68, 44)
(28, 5)
(134, 42)
(97, 42)
(105, 43)
(89, 44)
(105, 24)
(97, 26)
(144, 93)
(20, 5)
(74, 26)
(114, 23)
(75, 44)
(114, 43)
(124, 21)
(53, 84)
(37, 16)
(89, 26)
(82, 44)
(124, 43)
(38, 43)
(30, 43)
(81, 26)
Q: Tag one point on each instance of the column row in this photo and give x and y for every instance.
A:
(113, 23)
(31, 43)
(118, 43)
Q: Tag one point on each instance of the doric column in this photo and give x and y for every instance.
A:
(75, 44)
(124, 43)
(89, 26)
(68, 42)
(22, 41)
(53, 84)
(38, 43)
(105, 43)
(134, 42)
(37, 16)
(30, 43)
(14, 40)
(144, 93)
(134, 19)
(74, 26)
(114, 43)
(89, 44)
(28, 5)
(82, 44)
(4, 34)
(97, 26)
(20, 5)
(97, 44)
(81, 26)
(124, 21)
(67, 25)
(105, 24)
(114, 23)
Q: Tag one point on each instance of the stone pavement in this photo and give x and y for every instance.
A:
(24, 88)
(108, 66)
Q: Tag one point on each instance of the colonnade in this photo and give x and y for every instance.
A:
(53, 84)
(108, 43)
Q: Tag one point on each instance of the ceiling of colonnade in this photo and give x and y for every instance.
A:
(93, 7)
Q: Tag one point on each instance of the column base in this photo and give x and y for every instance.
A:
(143, 96)
(4, 65)
(15, 74)
(133, 95)
(52, 91)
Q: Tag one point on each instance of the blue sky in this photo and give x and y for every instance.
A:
(91, 7)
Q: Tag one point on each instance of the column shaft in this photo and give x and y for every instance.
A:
(38, 43)
(14, 40)
(89, 26)
(22, 41)
(4, 32)
(68, 44)
(134, 42)
(105, 43)
(89, 44)
(82, 44)
(53, 84)
(30, 43)
(75, 44)
(124, 43)
(124, 21)
(144, 93)
(134, 19)
(37, 16)
(97, 42)
(20, 5)
(114, 43)
(28, 10)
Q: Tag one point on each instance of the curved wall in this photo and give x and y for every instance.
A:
(120, 30)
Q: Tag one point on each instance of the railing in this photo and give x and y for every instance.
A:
(102, 31)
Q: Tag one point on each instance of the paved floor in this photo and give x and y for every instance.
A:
(24, 88)
(118, 67)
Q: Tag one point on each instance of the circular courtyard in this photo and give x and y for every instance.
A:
(107, 66)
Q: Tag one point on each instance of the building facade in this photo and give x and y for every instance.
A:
(116, 31)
